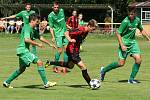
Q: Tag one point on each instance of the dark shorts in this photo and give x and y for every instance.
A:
(74, 57)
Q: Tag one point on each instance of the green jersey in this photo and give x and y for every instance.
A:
(57, 22)
(127, 29)
(25, 15)
(81, 22)
(27, 32)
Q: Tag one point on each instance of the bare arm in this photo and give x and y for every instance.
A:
(13, 16)
(69, 38)
(52, 33)
(27, 40)
(123, 47)
(46, 41)
(69, 27)
(145, 35)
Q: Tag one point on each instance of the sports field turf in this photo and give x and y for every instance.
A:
(98, 51)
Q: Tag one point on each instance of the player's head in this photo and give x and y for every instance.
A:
(131, 13)
(34, 19)
(92, 25)
(80, 16)
(28, 6)
(74, 12)
(55, 6)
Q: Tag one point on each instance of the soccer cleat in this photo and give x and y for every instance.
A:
(47, 63)
(6, 85)
(102, 74)
(50, 84)
(133, 82)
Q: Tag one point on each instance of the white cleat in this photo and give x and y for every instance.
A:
(50, 84)
(6, 85)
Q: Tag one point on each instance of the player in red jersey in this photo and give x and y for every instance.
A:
(75, 38)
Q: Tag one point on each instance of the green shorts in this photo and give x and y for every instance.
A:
(132, 49)
(27, 58)
(61, 41)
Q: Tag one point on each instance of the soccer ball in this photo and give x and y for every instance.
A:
(95, 84)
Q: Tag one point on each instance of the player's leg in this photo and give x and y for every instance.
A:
(85, 74)
(135, 51)
(121, 61)
(16, 73)
(42, 74)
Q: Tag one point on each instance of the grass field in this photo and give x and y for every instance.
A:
(98, 51)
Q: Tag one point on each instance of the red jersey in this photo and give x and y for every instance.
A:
(79, 35)
(72, 22)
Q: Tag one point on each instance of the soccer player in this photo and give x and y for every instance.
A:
(127, 45)
(75, 38)
(56, 21)
(24, 54)
(23, 14)
(72, 21)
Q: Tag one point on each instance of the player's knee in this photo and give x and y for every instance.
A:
(22, 69)
(138, 61)
(121, 64)
(39, 63)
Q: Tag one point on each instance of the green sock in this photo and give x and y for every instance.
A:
(65, 57)
(135, 69)
(57, 56)
(42, 74)
(14, 75)
(111, 66)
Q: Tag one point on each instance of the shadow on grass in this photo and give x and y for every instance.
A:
(78, 86)
(36, 87)
(126, 81)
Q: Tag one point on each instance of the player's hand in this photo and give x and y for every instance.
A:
(2, 18)
(124, 48)
(73, 41)
(53, 45)
(40, 45)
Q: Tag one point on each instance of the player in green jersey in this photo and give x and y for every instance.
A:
(24, 54)
(56, 21)
(23, 14)
(127, 45)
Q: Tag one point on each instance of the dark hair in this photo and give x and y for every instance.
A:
(56, 2)
(33, 17)
(28, 4)
(93, 23)
(131, 9)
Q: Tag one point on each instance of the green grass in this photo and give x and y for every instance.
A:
(98, 51)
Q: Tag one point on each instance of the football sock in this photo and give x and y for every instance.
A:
(14, 75)
(111, 66)
(59, 63)
(135, 69)
(65, 57)
(57, 56)
(86, 76)
(42, 74)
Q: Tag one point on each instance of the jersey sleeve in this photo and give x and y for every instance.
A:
(68, 21)
(122, 27)
(50, 21)
(19, 15)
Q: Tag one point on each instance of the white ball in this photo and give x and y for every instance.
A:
(95, 84)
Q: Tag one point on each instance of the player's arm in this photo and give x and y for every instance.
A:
(28, 40)
(69, 38)
(51, 24)
(144, 33)
(12, 16)
(67, 23)
(119, 32)
(46, 41)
